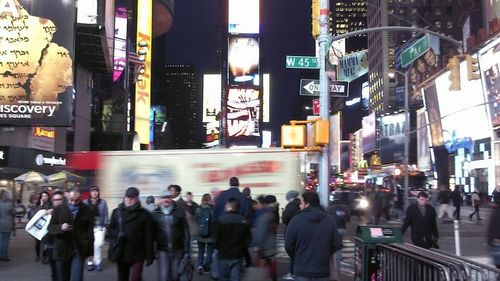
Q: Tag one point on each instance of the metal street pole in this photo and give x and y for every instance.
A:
(324, 100)
(407, 141)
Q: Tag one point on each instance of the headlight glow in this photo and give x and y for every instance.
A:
(363, 203)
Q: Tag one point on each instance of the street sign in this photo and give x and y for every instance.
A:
(417, 49)
(316, 106)
(310, 87)
(302, 62)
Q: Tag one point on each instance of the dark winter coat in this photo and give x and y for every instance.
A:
(138, 228)
(266, 231)
(424, 231)
(200, 208)
(80, 238)
(232, 192)
(494, 226)
(444, 196)
(232, 236)
(176, 233)
(291, 210)
(311, 238)
(456, 196)
(340, 213)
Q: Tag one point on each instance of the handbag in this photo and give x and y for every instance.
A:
(117, 245)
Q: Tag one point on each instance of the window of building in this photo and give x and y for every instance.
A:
(449, 24)
(437, 24)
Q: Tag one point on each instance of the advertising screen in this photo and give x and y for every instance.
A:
(120, 50)
(211, 97)
(243, 59)
(368, 134)
(423, 152)
(491, 10)
(489, 63)
(243, 16)
(243, 113)
(433, 114)
(463, 112)
(353, 66)
(392, 138)
(36, 62)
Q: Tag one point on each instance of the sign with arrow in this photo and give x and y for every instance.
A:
(310, 87)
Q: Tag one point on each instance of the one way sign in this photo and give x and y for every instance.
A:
(310, 87)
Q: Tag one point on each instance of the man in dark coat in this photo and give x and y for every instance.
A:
(311, 238)
(421, 217)
(138, 231)
(291, 210)
(72, 228)
(456, 196)
(171, 236)
(233, 192)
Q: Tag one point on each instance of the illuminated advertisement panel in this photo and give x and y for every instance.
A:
(143, 86)
(392, 138)
(265, 97)
(463, 112)
(211, 97)
(433, 114)
(243, 16)
(489, 63)
(243, 60)
(490, 10)
(368, 134)
(120, 50)
(36, 62)
(243, 111)
(423, 151)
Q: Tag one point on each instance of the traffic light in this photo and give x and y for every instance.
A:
(293, 136)
(472, 68)
(454, 68)
(321, 132)
(315, 18)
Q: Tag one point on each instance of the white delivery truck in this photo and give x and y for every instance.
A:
(265, 171)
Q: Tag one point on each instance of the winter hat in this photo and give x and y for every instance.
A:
(269, 199)
(132, 192)
(292, 194)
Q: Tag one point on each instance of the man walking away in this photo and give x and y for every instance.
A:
(72, 226)
(265, 235)
(206, 223)
(232, 236)
(341, 215)
(99, 208)
(444, 199)
(233, 192)
(421, 217)
(171, 236)
(456, 196)
(476, 201)
(134, 225)
(291, 210)
(311, 238)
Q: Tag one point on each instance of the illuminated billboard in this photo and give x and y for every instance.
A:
(243, 60)
(211, 97)
(369, 134)
(243, 16)
(120, 50)
(243, 112)
(143, 85)
(423, 146)
(392, 138)
(266, 92)
(463, 113)
(36, 63)
(433, 114)
(489, 63)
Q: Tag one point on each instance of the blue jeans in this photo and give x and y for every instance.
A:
(201, 254)
(4, 244)
(229, 270)
(71, 269)
(168, 265)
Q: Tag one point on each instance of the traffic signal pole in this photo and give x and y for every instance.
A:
(324, 100)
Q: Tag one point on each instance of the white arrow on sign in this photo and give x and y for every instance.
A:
(311, 87)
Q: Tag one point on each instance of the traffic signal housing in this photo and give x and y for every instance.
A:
(315, 7)
(293, 136)
(321, 132)
(472, 68)
(454, 68)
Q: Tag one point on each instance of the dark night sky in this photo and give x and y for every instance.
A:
(285, 30)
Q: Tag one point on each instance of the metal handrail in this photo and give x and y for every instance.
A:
(391, 257)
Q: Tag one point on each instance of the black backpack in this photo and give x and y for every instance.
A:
(205, 222)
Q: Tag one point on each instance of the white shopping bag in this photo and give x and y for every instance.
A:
(37, 226)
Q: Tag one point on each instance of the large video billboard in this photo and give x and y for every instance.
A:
(243, 112)
(369, 133)
(211, 97)
(243, 60)
(489, 62)
(392, 138)
(36, 62)
(243, 16)
(120, 50)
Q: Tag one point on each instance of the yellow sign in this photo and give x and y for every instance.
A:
(44, 132)
(143, 85)
(293, 136)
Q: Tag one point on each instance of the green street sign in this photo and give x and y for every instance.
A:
(414, 51)
(302, 62)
